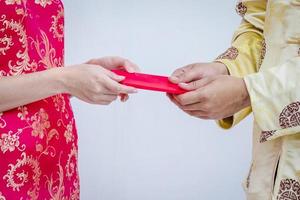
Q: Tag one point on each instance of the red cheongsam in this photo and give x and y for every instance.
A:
(38, 141)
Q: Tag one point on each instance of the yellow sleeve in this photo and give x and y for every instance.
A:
(247, 50)
(282, 116)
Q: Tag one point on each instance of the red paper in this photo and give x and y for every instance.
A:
(149, 82)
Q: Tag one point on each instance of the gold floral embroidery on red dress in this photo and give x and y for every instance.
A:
(23, 112)
(2, 197)
(57, 27)
(43, 3)
(71, 166)
(40, 124)
(56, 187)
(23, 64)
(60, 104)
(75, 193)
(5, 43)
(69, 132)
(46, 52)
(47, 128)
(2, 121)
(10, 141)
(17, 178)
(11, 2)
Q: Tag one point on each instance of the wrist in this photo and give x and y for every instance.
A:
(59, 78)
(245, 97)
(222, 68)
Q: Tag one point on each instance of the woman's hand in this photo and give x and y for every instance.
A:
(94, 84)
(89, 82)
(115, 63)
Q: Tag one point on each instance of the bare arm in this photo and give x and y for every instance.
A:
(88, 82)
(20, 90)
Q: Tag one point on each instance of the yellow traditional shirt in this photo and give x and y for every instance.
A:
(266, 53)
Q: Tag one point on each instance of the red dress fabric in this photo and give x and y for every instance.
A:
(38, 142)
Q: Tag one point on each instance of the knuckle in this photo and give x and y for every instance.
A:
(195, 84)
(204, 96)
(114, 98)
(190, 113)
(97, 89)
(207, 107)
(118, 88)
(108, 102)
(104, 103)
(211, 115)
(181, 101)
(94, 98)
(92, 61)
(193, 66)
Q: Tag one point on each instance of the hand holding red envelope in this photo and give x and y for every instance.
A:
(149, 82)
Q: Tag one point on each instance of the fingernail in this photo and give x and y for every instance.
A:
(130, 69)
(174, 79)
(120, 78)
(184, 85)
(134, 91)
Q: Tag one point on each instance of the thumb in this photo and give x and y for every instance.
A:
(186, 74)
(115, 76)
(196, 84)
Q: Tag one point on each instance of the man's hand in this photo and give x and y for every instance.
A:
(197, 71)
(213, 97)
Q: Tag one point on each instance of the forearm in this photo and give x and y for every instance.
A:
(24, 89)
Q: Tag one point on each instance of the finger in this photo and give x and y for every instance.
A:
(130, 66)
(101, 98)
(186, 74)
(199, 114)
(173, 100)
(114, 76)
(196, 84)
(124, 97)
(99, 102)
(194, 107)
(107, 98)
(117, 88)
(192, 97)
(104, 103)
(118, 62)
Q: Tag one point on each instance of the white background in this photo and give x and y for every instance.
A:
(147, 149)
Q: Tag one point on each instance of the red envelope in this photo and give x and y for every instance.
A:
(149, 82)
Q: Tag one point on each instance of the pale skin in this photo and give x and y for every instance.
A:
(213, 93)
(92, 82)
